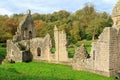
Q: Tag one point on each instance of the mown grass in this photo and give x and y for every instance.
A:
(2, 51)
(44, 71)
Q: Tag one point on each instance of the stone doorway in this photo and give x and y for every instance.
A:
(38, 51)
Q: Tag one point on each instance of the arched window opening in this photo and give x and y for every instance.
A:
(38, 52)
(12, 52)
(30, 34)
(93, 54)
(25, 33)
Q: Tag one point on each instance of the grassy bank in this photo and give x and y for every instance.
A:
(44, 71)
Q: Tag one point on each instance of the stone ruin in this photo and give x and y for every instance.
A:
(60, 43)
(80, 58)
(105, 54)
(26, 47)
(103, 59)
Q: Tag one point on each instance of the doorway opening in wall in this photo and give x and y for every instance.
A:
(38, 51)
(12, 61)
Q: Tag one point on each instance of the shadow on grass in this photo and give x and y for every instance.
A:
(12, 74)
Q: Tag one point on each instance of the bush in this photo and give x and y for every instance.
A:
(77, 44)
(53, 50)
(88, 37)
(71, 51)
(3, 44)
(72, 40)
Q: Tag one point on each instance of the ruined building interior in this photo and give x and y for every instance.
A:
(104, 58)
(26, 47)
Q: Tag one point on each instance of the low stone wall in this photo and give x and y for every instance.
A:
(13, 52)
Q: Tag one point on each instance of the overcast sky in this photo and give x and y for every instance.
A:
(10, 7)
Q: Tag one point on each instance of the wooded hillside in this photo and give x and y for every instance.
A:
(85, 23)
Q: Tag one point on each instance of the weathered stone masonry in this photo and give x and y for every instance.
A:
(26, 47)
(61, 53)
(105, 54)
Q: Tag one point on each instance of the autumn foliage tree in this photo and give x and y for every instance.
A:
(39, 25)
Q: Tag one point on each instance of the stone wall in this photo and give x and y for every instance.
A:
(26, 47)
(105, 54)
(61, 53)
(80, 58)
(14, 54)
(107, 51)
(101, 53)
(114, 56)
(25, 30)
(40, 48)
(116, 15)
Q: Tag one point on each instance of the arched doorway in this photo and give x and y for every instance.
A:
(38, 51)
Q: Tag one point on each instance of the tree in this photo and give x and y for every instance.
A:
(39, 25)
(11, 25)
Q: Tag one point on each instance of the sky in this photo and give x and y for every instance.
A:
(10, 7)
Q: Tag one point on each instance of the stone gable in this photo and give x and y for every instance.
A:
(26, 47)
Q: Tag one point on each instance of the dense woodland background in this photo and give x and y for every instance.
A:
(85, 23)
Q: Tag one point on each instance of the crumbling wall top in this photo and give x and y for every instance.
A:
(116, 10)
(116, 15)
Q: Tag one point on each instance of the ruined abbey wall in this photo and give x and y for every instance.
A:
(13, 52)
(114, 55)
(100, 53)
(26, 47)
(104, 58)
(105, 54)
(40, 48)
(61, 53)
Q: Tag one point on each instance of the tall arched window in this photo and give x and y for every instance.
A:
(25, 33)
(93, 54)
(30, 34)
(38, 52)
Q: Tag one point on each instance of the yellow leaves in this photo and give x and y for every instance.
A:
(39, 24)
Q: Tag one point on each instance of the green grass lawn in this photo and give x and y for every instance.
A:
(44, 71)
(2, 52)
